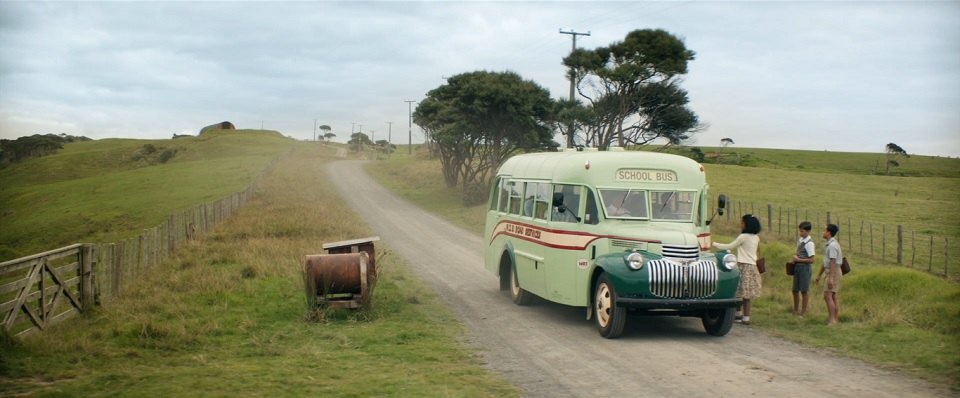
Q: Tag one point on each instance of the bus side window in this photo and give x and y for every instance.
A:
(529, 200)
(590, 215)
(515, 195)
(503, 193)
(565, 203)
(543, 201)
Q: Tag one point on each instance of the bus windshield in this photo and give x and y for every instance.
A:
(624, 203)
(672, 205)
(632, 204)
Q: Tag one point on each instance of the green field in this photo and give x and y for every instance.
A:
(227, 315)
(891, 315)
(107, 190)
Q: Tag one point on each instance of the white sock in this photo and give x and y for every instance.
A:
(746, 318)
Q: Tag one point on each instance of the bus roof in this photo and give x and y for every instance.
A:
(604, 168)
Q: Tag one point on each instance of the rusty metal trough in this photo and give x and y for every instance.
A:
(345, 276)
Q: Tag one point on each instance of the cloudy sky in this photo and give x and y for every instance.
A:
(825, 75)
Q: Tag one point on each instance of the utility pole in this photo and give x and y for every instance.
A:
(573, 78)
(409, 126)
(359, 137)
(389, 132)
(314, 130)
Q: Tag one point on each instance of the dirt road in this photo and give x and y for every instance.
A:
(552, 351)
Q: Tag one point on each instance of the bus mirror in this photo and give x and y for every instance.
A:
(721, 203)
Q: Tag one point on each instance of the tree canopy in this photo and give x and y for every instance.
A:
(894, 151)
(36, 145)
(632, 90)
(479, 119)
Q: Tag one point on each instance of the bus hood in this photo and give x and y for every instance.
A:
(673, 234)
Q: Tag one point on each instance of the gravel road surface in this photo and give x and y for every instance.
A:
(550, 350)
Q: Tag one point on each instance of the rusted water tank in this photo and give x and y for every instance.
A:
(339, 280)
(345, 276)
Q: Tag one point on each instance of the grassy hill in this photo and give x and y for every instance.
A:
(105, 190)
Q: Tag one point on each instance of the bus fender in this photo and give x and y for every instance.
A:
(506, 259)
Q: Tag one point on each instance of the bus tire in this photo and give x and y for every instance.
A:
(519, 296)
(718, 321)
(610, 316)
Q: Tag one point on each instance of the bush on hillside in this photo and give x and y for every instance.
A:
(150, 154)
(37, 145)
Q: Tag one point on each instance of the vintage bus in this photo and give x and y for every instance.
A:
(611, 231)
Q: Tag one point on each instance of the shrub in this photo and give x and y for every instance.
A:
(167, 154)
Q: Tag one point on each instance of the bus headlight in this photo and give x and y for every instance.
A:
(730, 262)
(635, 261)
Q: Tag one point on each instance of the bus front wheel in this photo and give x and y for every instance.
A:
(519, 296)
(718, 321)
(610, 316)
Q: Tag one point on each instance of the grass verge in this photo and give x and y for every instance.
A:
(227, 316)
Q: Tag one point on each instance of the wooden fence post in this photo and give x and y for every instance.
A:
(900, 244)
(946, 256)
(86, 277)
(930, 267)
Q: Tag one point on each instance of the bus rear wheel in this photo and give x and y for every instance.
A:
(611, 317)
(519, 296)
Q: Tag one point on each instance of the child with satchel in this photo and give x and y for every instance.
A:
(802, 269)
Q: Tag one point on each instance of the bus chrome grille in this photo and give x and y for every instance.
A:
(678, 281)
(684, 252)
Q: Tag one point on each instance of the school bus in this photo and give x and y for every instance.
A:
(611, 231)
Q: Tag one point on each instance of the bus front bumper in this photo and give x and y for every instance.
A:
(678, 304)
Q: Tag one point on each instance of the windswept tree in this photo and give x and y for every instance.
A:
(358, 140)
(724, 142)
(384, 149)
(329, 136)
(325, 130)
(632, 88)
(894, 151)
(479, 119)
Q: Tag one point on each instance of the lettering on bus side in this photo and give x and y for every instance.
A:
(521, 230)
(645, 175)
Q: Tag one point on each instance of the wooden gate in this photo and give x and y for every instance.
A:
(42, 290)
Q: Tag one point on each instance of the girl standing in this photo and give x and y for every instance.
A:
(746, 244)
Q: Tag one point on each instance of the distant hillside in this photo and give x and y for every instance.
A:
(828, 162)
(104, 190)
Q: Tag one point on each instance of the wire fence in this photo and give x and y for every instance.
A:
(871, 240)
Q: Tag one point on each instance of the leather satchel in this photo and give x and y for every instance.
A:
(845, 266)
(761, 265)
(790, 267)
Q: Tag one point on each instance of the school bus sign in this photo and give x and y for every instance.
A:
(646, 176)
(609, 231)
